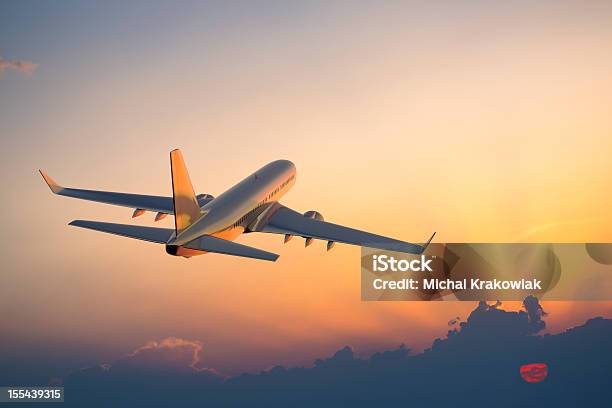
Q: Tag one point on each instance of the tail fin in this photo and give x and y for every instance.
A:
(186, 208)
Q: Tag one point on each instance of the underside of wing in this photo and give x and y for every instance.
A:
(152, 203)
(283, 220)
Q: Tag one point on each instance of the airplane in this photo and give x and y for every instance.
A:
(204, 223)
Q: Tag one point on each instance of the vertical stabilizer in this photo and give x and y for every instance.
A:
(186, 208)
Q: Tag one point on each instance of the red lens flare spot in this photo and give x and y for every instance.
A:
(533, 373)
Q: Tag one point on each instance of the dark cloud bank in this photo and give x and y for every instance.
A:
(477, 364)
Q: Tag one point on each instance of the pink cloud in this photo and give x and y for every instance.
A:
(171, 350)
(23, 66)
(169, 354)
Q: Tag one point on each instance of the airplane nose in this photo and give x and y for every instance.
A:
(286, 164)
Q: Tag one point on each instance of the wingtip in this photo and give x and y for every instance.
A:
(426, 244)
(53, 185)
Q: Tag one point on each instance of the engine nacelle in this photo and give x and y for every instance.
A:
(203, 199)
(315, 215)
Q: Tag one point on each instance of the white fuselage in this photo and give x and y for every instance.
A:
(231, 213)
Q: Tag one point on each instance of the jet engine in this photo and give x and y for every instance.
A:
(314, 215)
(203, 199)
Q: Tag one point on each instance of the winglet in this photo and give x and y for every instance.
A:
(55, 188)
(426, 244)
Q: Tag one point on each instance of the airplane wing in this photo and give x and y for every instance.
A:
(283, 220)
(158, 204)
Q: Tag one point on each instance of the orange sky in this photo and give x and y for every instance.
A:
(485, 123)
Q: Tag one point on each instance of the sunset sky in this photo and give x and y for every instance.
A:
(485, 122)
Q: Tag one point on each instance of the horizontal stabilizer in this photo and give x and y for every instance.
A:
(221, 246)
(151, 234)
